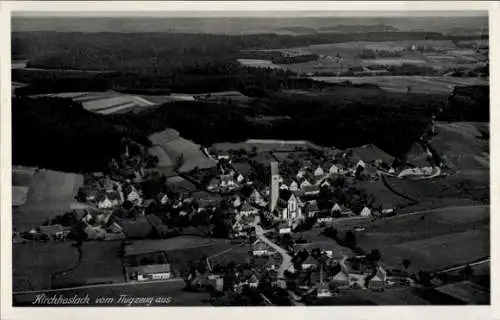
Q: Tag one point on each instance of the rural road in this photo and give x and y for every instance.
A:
(285, 263)
(286, 258)
(473, 264)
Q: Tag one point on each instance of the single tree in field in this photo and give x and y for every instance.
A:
(374, 255)
(350, 239)
(406, 263)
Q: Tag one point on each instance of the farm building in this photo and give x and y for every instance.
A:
(366, 212)
(247, 210)
(260, 248)
(147, 266)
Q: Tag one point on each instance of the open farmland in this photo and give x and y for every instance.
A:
(46, 194)
(141, 246)
(100, 264)
(418, 84)
(109, 102)
(430, 240)
(170, 147)
(33, 263)
(461, 145)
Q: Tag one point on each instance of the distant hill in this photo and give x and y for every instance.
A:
(360, 28)
(296, 30)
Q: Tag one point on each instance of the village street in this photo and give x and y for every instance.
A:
(286, 258)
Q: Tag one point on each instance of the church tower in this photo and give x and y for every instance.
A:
(274, 186)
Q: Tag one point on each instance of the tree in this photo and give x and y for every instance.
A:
(406, 263)
(350, 239)
(467, 272)
(374, 255)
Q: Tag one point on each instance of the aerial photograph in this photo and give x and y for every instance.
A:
(227, 159)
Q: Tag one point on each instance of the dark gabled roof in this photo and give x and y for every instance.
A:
(313, 206)
(311, 188)
(52, 229)
(247, 207)
(324, 214)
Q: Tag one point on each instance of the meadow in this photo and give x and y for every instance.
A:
(418, 84)
(43, 195)
(430, 240)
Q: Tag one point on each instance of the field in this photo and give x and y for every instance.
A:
(140, 246)
(49, 193)
(418, 84)
(33, 263)
(461, 145)
(430, 240)
(100, 264)
(257, 63)
(109, 102)
(170, 147)
(339, 56)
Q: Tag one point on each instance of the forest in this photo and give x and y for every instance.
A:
(64, 136)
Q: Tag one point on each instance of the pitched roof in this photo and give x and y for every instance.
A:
(247, 207)
(313, 206)
(312, 188)
(52, 229)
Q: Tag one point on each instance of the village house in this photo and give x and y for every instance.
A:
(324, 217)
(341, 279)
(227, 182)
(162, 198)
(213, 184)
(147, 266)
(55, 231)
(284, 228)
(319, 173)
(256, 198)
(366, 212)
(132, 195)
(247, 278)
(312, 208)
(309, 263)
(294, 186)
(305, 183)
(333, 169)
(310, 190)
(259, 248)
(107, 200)
(247, 210)
(379, 280)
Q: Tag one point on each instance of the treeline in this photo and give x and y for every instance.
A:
(467, 103)
(167, 53)
(59, 134)
(393, 121)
